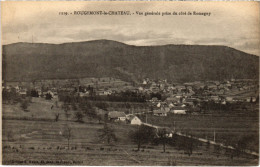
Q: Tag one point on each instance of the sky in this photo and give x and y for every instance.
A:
(233, 24)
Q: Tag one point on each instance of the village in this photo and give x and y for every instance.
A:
(158, 98)
(161, 96)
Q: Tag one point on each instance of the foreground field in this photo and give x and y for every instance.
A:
(228, 127)
(40, 142)
(34, 138)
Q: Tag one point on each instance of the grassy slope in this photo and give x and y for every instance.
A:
(229, 127)
(38, 140)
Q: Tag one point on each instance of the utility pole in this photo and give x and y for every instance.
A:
(174, 126)
(146, 117)
(214, 135)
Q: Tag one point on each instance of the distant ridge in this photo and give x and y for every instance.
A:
(99, 58)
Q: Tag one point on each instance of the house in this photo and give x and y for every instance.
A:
(250, 99)
(223, 101)
(214, 98)
(107, 92)
(116, 116)
(179, 95)
(180, 87)
(172, 99)
(229, 99)
(171, 105)
(140, 89)
(23, 92)
(154, 99)
(212, 87)
(160, 112)
(189, 101)
(81, 94)
(133, 120)
(198, 85)
(168, 132)
(51, 93)
(253, 99)
(167, 109)
(178, 110)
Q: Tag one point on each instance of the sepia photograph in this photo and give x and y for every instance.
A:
(102, 83)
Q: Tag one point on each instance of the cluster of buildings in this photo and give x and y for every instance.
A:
(122, 117)
(179, 98)
(100, 86)
(163, 96)
(25, 88)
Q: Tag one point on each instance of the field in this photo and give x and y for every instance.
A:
(229, 127)
(34, 138)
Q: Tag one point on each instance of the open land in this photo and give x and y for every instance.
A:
(33, 138)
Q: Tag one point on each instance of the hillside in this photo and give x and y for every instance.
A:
(180, 63)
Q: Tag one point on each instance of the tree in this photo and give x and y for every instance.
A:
(67, 133)
(217, 149)
(66, 110)
(91, 113)
(34, 93)
(162, 137)
(243, 142)
(257, 99)
(79, 116)
(99, 117)
(57, 104)
(74, 106)
(24, 105)
(57, 115)
(251, 100)
(106, 117)
(48, 96)
(207, 145)
(10, 135)
(102, 105)
(171, 162)
(142, 135)
(189, 145)
(195, 102)
(107, 134)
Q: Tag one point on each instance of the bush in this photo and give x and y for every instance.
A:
(24, 105)
(79, 116)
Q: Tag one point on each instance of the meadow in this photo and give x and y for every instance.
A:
(33, 137)
(228, 127)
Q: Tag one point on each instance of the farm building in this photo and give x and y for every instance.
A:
(23, 92)
(190, 101)
(178, 110)
(171, 105)
(154, 99)
(160, 112)
(229, 99)
(173, 99)
(116, 116)
(168, 132)
(215, 98)
(167, 109)
(133, 120)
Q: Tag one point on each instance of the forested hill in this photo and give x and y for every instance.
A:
(180, 63)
